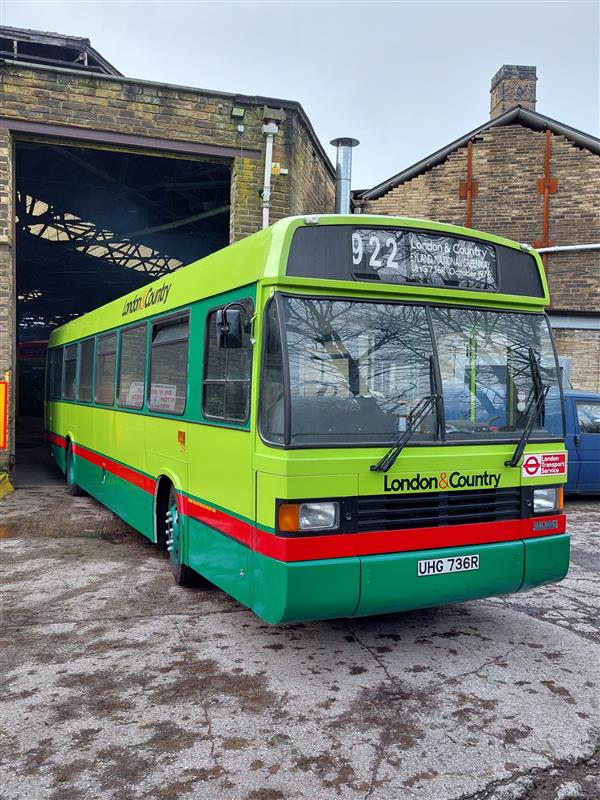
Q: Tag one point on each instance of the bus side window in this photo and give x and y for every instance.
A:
(86, 371)
(169, 365)
(132, 367)
(70, 371)
(106, 355)
(226, 384)
(56, 388)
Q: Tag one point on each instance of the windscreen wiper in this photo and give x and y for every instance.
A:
(536, 404)
(420, 411)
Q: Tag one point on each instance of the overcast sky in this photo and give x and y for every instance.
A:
(405, 78)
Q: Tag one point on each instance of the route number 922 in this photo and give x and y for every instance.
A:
(440, 566)
(376, 249)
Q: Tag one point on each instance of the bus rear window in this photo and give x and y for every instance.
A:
(70, 374)
(106, 354)
(169, 366)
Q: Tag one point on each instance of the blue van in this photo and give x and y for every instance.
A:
(582, 417)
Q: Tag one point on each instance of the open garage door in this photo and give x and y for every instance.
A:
(94, 223)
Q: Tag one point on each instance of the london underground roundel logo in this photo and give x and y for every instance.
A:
(531, 465)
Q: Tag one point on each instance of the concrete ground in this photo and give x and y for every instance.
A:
(118, 684)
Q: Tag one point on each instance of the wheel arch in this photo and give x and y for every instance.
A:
(162, 486)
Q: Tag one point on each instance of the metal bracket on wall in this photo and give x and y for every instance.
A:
(467, 190)
(546, 186)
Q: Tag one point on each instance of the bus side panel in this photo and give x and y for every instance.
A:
(220, 559)
(133, 502)
(166, 454)
(221, 506)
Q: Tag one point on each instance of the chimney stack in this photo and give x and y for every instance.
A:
(512, 85)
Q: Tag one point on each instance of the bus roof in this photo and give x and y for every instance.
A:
(263, 257)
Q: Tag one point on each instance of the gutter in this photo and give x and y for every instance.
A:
(569, 248)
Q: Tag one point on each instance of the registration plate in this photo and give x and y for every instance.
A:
(440, 566)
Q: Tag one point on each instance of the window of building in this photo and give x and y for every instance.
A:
(106, 356)
(169, 366)
(70, 372)
(226, 386)
(132, 367)
(86, 371)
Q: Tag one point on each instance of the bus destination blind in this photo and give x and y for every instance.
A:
(423, 259)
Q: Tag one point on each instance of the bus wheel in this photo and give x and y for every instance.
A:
(72, 486)
(184, 576)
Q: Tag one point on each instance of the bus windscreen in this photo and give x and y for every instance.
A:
(354, 371)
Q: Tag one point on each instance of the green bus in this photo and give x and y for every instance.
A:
(337, 416)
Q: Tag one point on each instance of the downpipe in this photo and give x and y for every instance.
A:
(269, 129)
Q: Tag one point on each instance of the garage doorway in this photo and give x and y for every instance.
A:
(93, 223)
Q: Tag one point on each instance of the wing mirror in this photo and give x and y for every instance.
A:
(230, 327)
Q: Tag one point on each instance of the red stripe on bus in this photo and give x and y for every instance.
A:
(60, 441)
(126, 473)
(222, 522)
(400, 541)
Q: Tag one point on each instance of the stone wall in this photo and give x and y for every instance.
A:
(124, 106)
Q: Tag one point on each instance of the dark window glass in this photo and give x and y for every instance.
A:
(272, 391)
(226, 388)
(106, 355)
(132, 367)
(70, 373)
(86, 371)
(588, 417)
(57, 358)
(169, 366)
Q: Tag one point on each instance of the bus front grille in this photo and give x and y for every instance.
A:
(435, 509)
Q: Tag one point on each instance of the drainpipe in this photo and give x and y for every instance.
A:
(343, 172)
(569, 248)
(269, 129)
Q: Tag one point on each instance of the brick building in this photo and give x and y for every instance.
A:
(530, 178)
(107, 182)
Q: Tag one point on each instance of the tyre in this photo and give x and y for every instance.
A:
(184, 576)
(74, 489)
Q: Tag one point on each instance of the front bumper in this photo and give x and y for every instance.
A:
(386, 583)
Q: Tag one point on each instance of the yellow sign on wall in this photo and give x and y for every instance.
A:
(3, 415)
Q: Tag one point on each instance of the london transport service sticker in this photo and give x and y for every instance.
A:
(544, 464)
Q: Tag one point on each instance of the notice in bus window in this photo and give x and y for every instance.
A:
(163, 396)
(135, 394)
(424, 259)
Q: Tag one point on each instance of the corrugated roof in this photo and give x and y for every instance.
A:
(514, 116)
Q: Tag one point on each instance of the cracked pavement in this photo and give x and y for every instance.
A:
(118, 684)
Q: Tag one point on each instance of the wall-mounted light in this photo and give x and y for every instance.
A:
(237, 112)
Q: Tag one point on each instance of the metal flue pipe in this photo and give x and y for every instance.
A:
(343, 173)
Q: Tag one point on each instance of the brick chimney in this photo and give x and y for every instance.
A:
(512, 85)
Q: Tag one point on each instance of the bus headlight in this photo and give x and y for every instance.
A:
(294, 517)
(547, 501)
